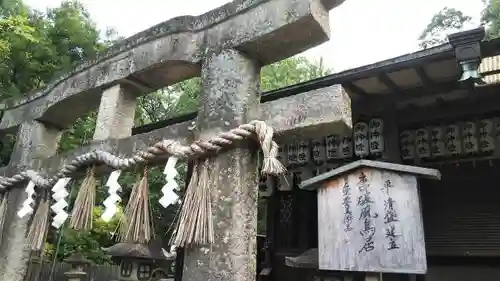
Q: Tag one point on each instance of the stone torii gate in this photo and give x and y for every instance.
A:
(226, 47)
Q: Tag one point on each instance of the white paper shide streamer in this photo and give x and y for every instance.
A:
(110, 207)
(169, 196)
(26, 207)
(59, 194)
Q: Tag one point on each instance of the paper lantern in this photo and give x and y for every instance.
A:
(318, 150)
(469, 138)
(303, 152)
(292, 153)
(346, 147)
(361, 143)
(497, 129)
(486, 139)
(333, 147)
(376, 136)
(438, 148)
(453, 144)
(407, 145)
(422, 143)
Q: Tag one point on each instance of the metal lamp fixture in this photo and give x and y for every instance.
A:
(470, 72)
(467, 47)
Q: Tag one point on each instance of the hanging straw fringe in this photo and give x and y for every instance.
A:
(3, 211)
(81, 217)
(135, 226)
(39, 225)
(195, 225)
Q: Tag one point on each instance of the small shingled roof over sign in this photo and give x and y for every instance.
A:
(314, 183)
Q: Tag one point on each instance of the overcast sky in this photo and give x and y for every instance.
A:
(363, 31)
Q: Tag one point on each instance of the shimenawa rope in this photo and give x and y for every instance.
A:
(197, 149)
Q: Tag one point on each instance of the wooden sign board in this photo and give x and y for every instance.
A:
(369, 220)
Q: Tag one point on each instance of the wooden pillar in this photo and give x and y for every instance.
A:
(271, 216)
(391, 136)
(390, 154)
(34, 140)
(229, 98)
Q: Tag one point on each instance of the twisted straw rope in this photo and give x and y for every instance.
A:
(200, 148)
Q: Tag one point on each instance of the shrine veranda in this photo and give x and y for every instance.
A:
(409, 110)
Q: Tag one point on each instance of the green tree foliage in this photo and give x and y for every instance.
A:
(491, 18)
(36, 47)
(90, 243)
(450, 20)
(446, 21)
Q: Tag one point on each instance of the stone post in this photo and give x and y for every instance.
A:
(229, 98)
(34, 140)
(116, 113)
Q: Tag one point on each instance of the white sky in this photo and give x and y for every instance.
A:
(363, 31)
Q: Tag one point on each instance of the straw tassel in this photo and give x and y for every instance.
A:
(39, 225)
(195, 226)
(3, 211)
(81, 216)
(135, 226)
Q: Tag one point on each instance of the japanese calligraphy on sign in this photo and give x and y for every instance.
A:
(370, 220)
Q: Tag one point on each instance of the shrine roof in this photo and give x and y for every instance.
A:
(419, 75)
(150, 251)
(314, 183)
(425, 68)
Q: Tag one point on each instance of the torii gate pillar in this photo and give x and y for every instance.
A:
(230, 97)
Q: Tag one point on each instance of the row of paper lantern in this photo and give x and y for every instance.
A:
(60, 194)
(467, 138)
(367, 139)
(292, 177)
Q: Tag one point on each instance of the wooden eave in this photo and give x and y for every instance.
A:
(315, 182)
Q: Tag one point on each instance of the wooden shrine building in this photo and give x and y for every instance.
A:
(436, 108)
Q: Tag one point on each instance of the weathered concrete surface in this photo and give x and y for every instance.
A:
(34, 140)
(230, 98)
(115, 117)
(173, 51)
(310, 113)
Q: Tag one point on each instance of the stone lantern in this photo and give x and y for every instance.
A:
(78, 264)
(140, 262)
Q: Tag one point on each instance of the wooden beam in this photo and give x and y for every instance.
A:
(485, 100)
(381, 102)
(351, 87)
(384, 79)
(426, 80)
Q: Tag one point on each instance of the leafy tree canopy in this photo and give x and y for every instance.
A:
(450, 20)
